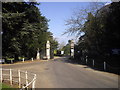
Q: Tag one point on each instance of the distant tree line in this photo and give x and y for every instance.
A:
(65, 49)
(24, 30)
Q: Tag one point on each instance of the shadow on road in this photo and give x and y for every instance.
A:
(67, 59)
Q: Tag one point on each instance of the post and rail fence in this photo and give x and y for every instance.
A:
(23, 79)
(99, 65)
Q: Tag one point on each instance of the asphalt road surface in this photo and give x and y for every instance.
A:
(59, 74)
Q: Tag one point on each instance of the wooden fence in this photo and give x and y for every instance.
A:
(23, 79)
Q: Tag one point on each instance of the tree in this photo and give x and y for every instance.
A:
(109, 18)
(24, 29)
(101, 35)
(66, 48)
(77, 21)
(12, 19)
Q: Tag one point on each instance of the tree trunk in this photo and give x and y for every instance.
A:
(16, 57)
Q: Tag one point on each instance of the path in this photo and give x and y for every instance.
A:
(59, 74)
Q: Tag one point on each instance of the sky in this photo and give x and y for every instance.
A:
(57, 13)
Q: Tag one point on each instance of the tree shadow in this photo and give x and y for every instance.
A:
(88, 65)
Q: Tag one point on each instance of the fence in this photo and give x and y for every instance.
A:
(3, 61)
(99, 65)
(23, 79)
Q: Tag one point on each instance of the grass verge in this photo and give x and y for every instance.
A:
(6, 87)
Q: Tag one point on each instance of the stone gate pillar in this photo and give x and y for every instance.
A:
(48, 50)
(38, 54)
(72, 48)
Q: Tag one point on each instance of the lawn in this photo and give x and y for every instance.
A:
(6, 87)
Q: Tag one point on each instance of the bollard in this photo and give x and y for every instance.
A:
(11, 61)
(11, 76)
(23, 59)
(104, 66)
(1, 74)
(26, 78)
(19, 79)
(32, 59)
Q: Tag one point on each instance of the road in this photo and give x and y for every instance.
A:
(59, 74)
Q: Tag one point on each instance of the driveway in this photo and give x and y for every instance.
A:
(59, 74)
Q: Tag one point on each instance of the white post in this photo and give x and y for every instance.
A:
(38, 55)
(26, 78)
(104, 66)
(32, 59)
(11, 61)
(23, 59)
(72, 48)
(86, 59)
(11, 76)
(48, 50)
(93, 63)
(33, 84)
(1, 74)
(19, 78)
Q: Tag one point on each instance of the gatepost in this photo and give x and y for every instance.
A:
(48, 50)
(72, 48)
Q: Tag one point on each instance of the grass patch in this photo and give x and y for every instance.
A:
(10, 58)
(6, 87)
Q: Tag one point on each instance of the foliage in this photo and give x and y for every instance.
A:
(66, 48)
(24, 29)
(4, 86)
(101, 34)
(77, 21)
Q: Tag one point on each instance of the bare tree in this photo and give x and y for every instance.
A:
(79, 17)
(61, 45)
